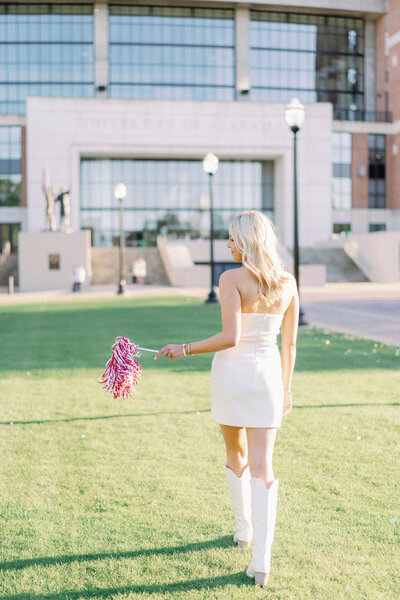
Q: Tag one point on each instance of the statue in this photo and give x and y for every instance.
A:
(50, 203)
(63, 199)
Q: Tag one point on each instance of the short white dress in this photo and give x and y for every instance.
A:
(246, 380)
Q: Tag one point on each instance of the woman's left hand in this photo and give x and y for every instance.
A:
(170, 351)
(287, 403)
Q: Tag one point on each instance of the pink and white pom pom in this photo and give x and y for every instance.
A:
(122, 370)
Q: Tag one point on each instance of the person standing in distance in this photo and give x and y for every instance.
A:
(250, 379)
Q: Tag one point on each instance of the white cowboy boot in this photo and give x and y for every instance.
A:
(240, 495)
(263, 503)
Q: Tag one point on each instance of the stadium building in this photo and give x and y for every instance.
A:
(138, 92)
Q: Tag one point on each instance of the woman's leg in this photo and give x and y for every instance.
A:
(238, 479)
(264, 492)
(260, 442)
(236, 448)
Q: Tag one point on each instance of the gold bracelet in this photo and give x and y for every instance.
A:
(189, 349)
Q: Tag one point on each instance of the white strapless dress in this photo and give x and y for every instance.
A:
(246, 380)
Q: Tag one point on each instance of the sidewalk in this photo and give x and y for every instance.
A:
(369, 310)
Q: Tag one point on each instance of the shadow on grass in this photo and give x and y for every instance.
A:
(47, 561)
(79, 336)
(71, 419)
(183, 412)
(209, 583)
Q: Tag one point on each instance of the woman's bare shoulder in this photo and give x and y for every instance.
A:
(231, 274)
(289, 284)
(289, 277)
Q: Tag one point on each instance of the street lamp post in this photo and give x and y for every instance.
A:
(210, 166)
(295, 115)
(120, 194)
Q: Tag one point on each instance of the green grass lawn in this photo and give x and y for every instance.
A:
(103, 498)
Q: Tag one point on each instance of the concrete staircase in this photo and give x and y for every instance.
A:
(105, 263)
(179, 264)
(339, 266)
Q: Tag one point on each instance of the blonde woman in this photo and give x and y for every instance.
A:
(250, 379)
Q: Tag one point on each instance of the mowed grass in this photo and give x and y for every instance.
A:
(104, 498)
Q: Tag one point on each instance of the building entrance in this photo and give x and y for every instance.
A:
(170, 198)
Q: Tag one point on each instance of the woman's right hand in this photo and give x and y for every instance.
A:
(287, 403)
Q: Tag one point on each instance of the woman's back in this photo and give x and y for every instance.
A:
(248, 286)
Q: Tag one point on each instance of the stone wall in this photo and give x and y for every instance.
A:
(377, 254)
(47, 259)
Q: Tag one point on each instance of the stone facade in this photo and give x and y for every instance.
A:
(61, 131)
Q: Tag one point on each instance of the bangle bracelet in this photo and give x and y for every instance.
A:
(183, 349)
(189, 349)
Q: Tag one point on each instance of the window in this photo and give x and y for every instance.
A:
(316, 58)
(341, 170)
(169, 197)
(10, 166)
(377, 171)
(9, 233)
(341, 228)
(45, 50)
(171, 53)
(376, 227)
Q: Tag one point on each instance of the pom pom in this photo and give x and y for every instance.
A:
(122, 370)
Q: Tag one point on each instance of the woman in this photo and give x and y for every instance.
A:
(250, 380)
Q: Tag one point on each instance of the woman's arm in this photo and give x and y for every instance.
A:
(289, 329)
(231, 323)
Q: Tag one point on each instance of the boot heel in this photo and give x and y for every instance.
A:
(261, 578)
(264, 505)
(242, 544)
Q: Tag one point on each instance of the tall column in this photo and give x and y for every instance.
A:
(101, 49)
(359, 170)
(242, 52)
(369, 66)
(381, 65)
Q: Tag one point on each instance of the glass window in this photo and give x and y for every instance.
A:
(9, 234)
(341, 170)
(169, 197)
(316, 58)
(376, 227)
(171, 53)
(341, 228)
(377, 171)
(45, 50)
(10, 166)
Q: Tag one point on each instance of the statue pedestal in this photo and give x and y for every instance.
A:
(47, 259)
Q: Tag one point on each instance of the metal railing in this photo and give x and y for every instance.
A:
(369, 116)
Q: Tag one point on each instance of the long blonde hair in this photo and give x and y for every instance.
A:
(255, 237)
